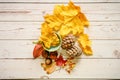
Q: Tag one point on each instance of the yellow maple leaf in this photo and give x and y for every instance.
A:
(54, 21)
(85, 44)
(66, 20)
(83, 19)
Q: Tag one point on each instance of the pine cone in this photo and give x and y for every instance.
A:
(74, 51)
(68, 41)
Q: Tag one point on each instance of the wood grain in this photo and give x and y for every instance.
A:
(31, 30)
(59, 1)
(86, 68)
(28, 17)
(20, 25)
(102, 49)
(34, 8)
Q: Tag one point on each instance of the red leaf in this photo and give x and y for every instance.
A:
(38, 50)
(60, 61)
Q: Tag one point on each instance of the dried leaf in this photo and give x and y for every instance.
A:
(67, 20)
(85, 44)
(70, 64)
(54, 21)
(38, 50)
(60, 61)
(49, 68)
(74, 20)
(48, 37)
(70, 10)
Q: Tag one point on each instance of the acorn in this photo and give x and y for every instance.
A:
(48, 61)
(68, 41)
(74, 51)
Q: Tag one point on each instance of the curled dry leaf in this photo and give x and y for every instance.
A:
(48, 36)
(85, 44)
(38, 50)
(49, 68)
(69, 65)
(60, 61)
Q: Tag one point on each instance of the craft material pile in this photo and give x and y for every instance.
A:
(64, 29)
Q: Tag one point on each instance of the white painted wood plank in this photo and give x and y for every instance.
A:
(45, 8)
(19, 30)
(86, 68)
(31, 30)
(59, 1)
(27, 17)
(24, 48)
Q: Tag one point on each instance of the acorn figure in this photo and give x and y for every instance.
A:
(74, 51)
(48, 61)
(68, 41)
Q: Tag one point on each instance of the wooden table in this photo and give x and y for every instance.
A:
(20, 25)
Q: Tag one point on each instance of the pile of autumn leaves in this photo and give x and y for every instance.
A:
(68, 20)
